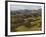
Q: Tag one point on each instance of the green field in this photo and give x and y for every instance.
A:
(24, 23)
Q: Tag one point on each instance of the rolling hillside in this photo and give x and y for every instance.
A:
(26, 20)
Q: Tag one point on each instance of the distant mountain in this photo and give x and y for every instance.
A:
(26, 11)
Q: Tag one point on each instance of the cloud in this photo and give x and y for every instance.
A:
(22, 7)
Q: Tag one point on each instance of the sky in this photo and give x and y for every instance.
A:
(22, 7)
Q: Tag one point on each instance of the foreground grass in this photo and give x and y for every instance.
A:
(28, 26)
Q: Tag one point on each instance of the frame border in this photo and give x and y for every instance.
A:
(6, 18)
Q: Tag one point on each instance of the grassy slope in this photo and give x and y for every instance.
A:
(35, 26)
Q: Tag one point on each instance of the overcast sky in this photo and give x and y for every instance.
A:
(22, 7)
